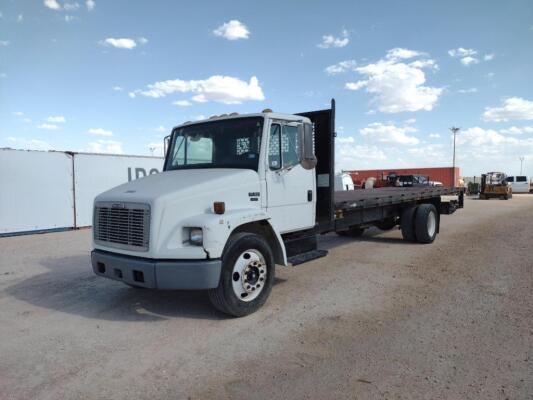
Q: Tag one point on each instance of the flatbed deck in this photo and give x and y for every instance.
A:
(365, 198)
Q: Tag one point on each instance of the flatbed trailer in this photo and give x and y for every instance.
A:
(357, 210)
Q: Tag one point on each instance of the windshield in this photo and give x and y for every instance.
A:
(231, 143)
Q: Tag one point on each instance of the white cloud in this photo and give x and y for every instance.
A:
(513, 108)
(90, 4)
(99, 132)
(434, 135)
(48, 127)
(467, 57)
(142, 40)
(18, 113)
(182, 103)
(52, 4)
(462, 52)
(396, 85)
(4, 43)
(489, 149)
(20, 18)
(56, 119)
(410, 121)
(389, 133)
(355, 85)
(161, 128)
(488, 57)
(3, 75)
(117, 89)
(399, 53)
(71, 6)
(469, 60)
(515, 130)
(105, 146)
(120, 43)
(332, 41)
(29, 144)
(221, 89)
(470, 90)
(232, 30)
(349, 155)
(479, 137)
(490, 75)
(341, 67)
(69, 18)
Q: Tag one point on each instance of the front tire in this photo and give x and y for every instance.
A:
(247, 275)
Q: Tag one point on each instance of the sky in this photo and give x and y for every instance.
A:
(116, 76)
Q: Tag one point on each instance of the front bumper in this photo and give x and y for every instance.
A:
(157, 274)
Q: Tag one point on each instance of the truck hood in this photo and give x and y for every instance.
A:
(177, 198)
(181, 184)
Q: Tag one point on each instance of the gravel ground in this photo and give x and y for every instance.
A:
(377, 319)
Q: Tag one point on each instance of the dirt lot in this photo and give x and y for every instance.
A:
(377, 319)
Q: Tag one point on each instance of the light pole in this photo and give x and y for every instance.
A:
(454, 130)
(521, 161)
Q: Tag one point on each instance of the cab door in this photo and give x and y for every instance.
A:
(290, 188)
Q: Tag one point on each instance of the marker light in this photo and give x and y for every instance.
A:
(267, 110)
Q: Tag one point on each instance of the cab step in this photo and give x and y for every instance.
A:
(307, 256)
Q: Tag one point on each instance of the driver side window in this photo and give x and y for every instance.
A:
(283, 148)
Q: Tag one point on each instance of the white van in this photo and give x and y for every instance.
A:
(519, 183)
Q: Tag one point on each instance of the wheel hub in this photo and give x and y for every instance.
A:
(252, 278)
(249, 275)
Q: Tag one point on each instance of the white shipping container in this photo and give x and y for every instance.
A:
(35, 191)
(96, 173)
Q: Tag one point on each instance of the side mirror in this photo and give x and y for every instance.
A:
(307, 148)
(166, 141)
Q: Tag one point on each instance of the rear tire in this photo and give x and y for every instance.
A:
(407, 224)
(426, 223)
(243, 286)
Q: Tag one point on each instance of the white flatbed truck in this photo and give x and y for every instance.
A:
(240, 194)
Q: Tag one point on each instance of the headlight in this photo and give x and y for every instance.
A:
(196, 236)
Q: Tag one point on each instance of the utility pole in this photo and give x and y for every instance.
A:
(521, 161)
(454, 130)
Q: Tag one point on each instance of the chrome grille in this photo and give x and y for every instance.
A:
(122, 225)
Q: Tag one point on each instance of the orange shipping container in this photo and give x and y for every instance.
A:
(446, 175)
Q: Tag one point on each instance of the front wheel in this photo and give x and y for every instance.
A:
(247, 275)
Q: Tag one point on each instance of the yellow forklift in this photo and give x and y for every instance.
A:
(494, 184)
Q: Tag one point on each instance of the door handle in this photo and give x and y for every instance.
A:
(309, 195)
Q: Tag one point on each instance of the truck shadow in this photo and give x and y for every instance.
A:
(70, 286)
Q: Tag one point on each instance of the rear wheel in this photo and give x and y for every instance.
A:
(426, 222)
(407, 224)
(247, 276)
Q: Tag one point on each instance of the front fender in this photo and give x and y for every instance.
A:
(218, 228)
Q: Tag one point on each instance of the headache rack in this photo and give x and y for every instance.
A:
(122, 225)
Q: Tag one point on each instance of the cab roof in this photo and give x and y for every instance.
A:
(271, 115)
